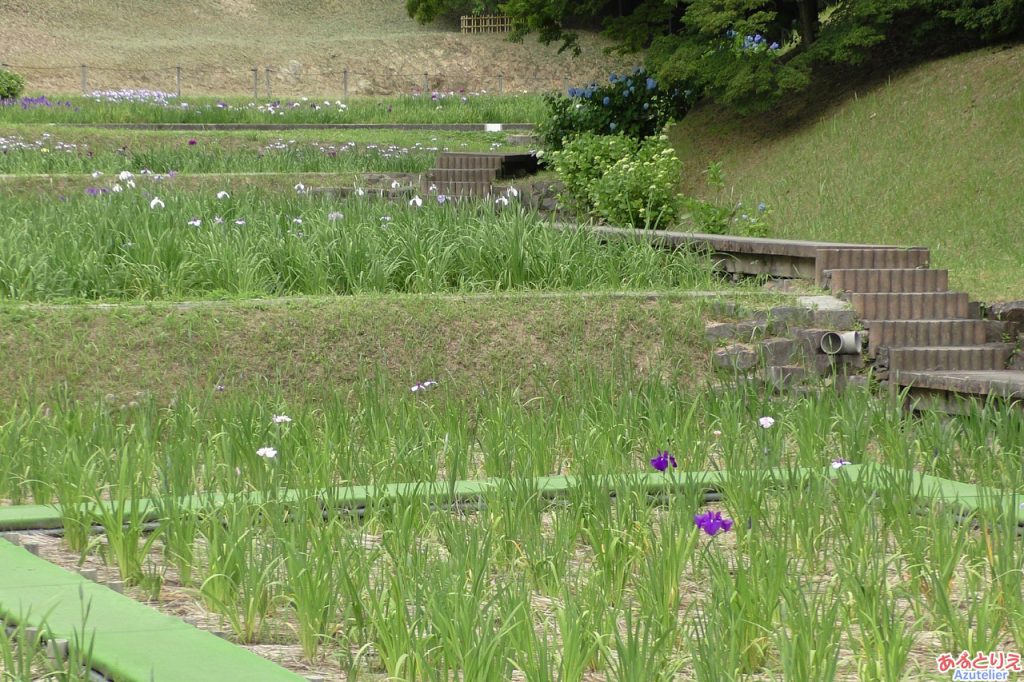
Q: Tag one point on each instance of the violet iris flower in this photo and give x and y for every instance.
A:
(663, 460)
(712, 523)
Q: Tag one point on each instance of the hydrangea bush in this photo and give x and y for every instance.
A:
(640, 190)
(620, 180)
(583, 161)
(635, 105)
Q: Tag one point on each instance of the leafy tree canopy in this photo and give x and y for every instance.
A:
(750, 53)
(426, 11)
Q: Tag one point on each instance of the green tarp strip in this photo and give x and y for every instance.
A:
(130, 641)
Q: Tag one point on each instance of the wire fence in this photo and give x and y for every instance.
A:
(292, 80)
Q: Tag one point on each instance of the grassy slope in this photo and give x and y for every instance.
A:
(932, 157)
(307, 348)
(308, 42)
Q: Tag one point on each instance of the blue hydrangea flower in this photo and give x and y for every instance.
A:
(612, 125)
(651, 84)
(773, 46)
(606, 101)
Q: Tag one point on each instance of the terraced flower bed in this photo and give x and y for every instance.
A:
(140, 106)
(129, 237)
(539, 517)
(34, 150)
(808, 567)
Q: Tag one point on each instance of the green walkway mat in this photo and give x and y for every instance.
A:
(965, 496)
(130, 641)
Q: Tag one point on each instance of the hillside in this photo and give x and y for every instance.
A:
(306, 43)
(931, 157)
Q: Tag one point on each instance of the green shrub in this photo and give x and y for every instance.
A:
(640, 190)
(619, 180)
(636, 106)
(11, 85)
(582, 161)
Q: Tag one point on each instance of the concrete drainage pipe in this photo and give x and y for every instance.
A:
(841, 343)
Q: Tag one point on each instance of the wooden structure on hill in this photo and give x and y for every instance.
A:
(486, 23)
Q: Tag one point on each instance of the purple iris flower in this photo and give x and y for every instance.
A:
(663, 460)
(712, 523)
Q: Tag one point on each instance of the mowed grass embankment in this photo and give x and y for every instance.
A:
(309, 348)
(931, 157)
(306, 44)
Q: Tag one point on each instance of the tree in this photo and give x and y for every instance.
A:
(750, 53)
(426, 11)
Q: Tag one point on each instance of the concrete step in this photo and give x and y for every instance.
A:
(439, 175)
(989, 356)
(469, 161)
(851, 258)
(916, 306)
(892, 333)
(879, 280)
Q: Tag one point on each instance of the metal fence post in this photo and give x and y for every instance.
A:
(344, 83)
(501, 84)
(268, 81)
(177, 79)
(426, 83)
(85, 79)
(256, 83)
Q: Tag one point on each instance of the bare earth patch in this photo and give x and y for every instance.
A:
(306, 45)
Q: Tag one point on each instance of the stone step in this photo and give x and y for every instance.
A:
(851, 258)
(894, 333)
(917, 306)
(880, 280)
(785, 376)
(953, 358)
